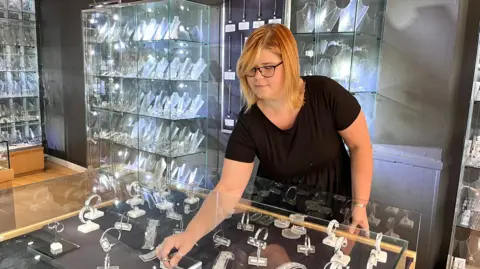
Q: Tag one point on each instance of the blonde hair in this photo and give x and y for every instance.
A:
(278, 39)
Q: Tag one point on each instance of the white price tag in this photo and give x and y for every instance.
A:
(273, 21)
(257, 24)
(229, 123)
(230, 28)
(243, 25)
(229, 76)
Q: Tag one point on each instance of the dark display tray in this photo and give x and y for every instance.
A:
(126, 253)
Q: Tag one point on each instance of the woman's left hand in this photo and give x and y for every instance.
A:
(359, 218)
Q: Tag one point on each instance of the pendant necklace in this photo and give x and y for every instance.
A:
(471, 257)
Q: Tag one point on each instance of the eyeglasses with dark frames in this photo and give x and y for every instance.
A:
(266, 71)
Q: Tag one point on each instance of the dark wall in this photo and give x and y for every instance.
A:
(62, 78)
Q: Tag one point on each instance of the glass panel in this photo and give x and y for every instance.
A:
(334, 57)
(365, 64)
(38, 206)
(252, 216)
(20, 116)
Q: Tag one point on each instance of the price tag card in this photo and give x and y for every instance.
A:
(245, 25)
(229, 122)
(229, 76)
(273, 21)
(230, 28)
(257, 24)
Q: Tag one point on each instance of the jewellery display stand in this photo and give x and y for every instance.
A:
(147, 82)
(19, 84)
(466, 231)
(135, 247)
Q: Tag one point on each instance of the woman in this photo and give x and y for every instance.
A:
(296, 127)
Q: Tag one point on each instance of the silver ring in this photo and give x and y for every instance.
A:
(288, 191)
(307, 242)
(179, 253)
(82, 213)
(112, 228)
(128, 218)
(59, 230)
(133, 188)
(245, 213)
(216, 233)
(258, 234)
(91, 197)
(55, 225)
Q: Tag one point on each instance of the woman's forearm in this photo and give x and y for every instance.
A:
(215, 208)
(362, 173)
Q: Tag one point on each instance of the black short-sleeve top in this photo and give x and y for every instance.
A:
(310, 154)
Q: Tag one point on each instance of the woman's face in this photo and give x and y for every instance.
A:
(264, 87)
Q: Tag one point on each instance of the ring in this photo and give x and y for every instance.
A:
(179, 253)
(164, 259)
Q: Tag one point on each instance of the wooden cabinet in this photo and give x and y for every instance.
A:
(26, 161)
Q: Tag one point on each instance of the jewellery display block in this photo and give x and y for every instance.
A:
(224, 245)
(19, 80)
(147, 81)
(464, 244)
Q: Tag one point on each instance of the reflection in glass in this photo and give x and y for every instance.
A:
(351, 16)
(306, 18)
(324, 67)
(327, 16)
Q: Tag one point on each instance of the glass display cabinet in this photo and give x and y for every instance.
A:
(146, 78)
(89, 221)
(465, 241)
(19, 86)
(341, 40)
(337, 39)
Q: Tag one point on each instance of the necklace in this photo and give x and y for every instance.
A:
(471, 257)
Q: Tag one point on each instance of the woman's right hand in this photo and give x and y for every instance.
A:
(183, 242)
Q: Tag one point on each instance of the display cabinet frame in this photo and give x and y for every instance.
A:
(60, 202)
(465, 237)
(147, 81)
